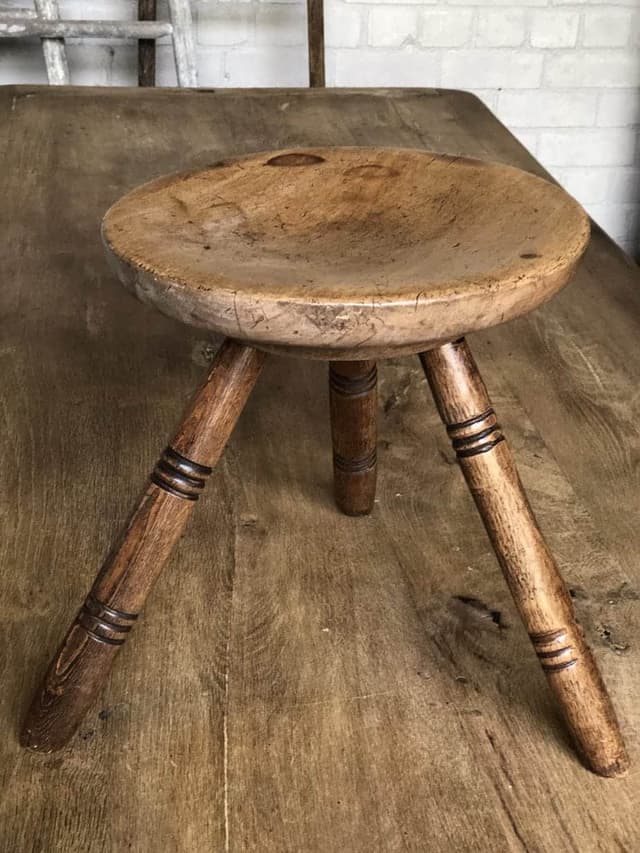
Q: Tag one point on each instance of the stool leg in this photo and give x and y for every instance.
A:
(529, 569)
(82, 663)
(353, 398)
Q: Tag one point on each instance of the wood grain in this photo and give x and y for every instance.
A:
(354, 411)
(82, 664)
(315, 42)
(55, 29)
(146, 47)
(420, 716)
(527, 564)
(55, 54)
(372, 251)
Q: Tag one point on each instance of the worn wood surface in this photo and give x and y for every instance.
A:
(539, 592)
(184, 43)
(80, 667)
(353, 404)
(315, 42)
(53, 49)
(13, 12)
(56, 30)
(300, 680)
(349, 252)
(146, 47)
(146, 30)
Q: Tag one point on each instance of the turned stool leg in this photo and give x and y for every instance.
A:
(353, 397)
(530, 571)
(82, 663)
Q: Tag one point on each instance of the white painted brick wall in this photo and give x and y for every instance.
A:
(500, 27)
(564, 75)
(555, 28)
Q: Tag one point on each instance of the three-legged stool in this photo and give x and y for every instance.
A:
(349, 255)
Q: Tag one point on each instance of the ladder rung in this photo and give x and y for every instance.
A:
(8, 12)
(24, 27)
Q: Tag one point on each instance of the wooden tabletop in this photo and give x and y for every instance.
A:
(335, 684)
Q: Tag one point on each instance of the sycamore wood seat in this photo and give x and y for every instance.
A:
(348, 254)
(344, 252)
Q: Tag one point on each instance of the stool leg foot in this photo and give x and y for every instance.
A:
(353, 397)
(529, 569)
(82, 663)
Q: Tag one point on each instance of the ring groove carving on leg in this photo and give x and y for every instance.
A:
(451, 428)
(105, 624)
(188, 466)
(348, 386)
(476, 435)
(180, 476)
(554, 653)
(355, 466)
(525, 559)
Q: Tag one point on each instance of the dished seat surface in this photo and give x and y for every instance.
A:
(337, 249)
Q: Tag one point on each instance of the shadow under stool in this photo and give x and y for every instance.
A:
(349, 255)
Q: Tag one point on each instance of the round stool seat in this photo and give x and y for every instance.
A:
(346, 252)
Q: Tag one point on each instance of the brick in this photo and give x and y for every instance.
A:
(528, 138)
(544, 108)
(342, 25)
(615, 219)
(102, 64)
(222, 24)
(98, 10)
(408, 67)
(281, 24)
(392, 26)
(607, 27)
(488, 69)
(260, 66)
(554, 28)
(393, 3)
(210, 68)
(499, 2)
(488, 97)
(623, 185)
(21, 62)
(618, 108)
(166, 68)
(600, 68)
(595, 3)
(506, 28)
(445, 27)
(588, 185)
(587, 147)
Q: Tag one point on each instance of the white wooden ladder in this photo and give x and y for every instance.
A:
(44, 22)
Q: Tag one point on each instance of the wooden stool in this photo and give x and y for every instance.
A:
(348, 255)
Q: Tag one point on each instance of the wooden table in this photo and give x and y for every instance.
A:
(335, 684)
